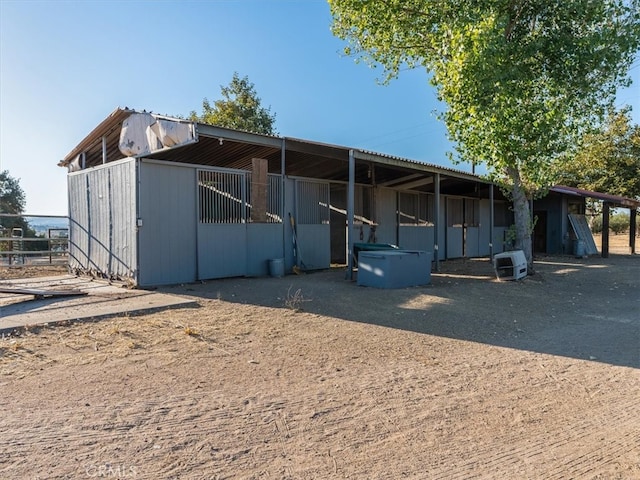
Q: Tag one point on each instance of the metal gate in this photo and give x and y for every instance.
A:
(222, 224)
(312, 222)
(234, 239)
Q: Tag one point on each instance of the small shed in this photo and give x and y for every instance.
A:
(157, 200)
(559, 213)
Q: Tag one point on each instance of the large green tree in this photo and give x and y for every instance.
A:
(12, 201)
(239, 108)
(608, 159)
(522, 80)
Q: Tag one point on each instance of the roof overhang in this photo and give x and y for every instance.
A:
(228, 148)
(615, 200)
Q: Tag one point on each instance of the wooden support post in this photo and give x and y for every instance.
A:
(632, 230)
(259, 190)
(605, 230)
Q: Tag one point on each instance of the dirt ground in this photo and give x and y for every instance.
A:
(312, 376)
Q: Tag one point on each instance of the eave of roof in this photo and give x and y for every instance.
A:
(605, 197)
(109, 128)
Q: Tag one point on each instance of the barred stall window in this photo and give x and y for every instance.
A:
(225, 197)
(274, 199)
(363, 203)
(454, 212)
(408, 209)
(416, 209)
(427, 210)
(222, 197)
(313, 203)
(472, 212)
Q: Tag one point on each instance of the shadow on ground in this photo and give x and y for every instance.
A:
(587, 309)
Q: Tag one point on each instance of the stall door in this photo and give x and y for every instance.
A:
(222, 224)
(312, 225)
(455, 234)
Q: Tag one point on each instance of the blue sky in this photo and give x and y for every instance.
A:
(65, 65)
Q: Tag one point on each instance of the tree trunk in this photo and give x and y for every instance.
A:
(522, 217)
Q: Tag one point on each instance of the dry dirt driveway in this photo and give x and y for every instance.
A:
(466, 378)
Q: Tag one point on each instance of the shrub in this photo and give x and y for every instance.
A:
(619, 223)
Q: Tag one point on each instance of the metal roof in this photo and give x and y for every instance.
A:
(224, 147)
(605, 197)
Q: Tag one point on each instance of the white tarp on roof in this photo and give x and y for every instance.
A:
(144, 133)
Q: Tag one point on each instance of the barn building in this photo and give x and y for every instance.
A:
(155, 200)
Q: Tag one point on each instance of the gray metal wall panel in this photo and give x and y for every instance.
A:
(78, 221)
(454, 242)
(498, 239)
(264, 243)
(473, 242)
(416, 238)
(123, 220)
(167, 237)
(99, 220)
(314, 246)
(289, 208)
(484, 232)
(313, 232)
(102, 220)
(222, 250)
(387, 217)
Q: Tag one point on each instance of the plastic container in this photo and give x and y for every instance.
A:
(394, 268)
(276, 267)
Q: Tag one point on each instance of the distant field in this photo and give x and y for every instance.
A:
(617, 243)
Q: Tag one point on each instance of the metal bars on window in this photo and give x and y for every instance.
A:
(415, 209)
(313, 202)
(471, 212)
(274, 199)
(363, 205)
(225, 197)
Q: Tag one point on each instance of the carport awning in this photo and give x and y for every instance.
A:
(615, 200)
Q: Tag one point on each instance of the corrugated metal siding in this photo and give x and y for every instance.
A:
(387, 216)
(313, 232)
(484, 228)
(78, 221)
(123, 220)
(102, 220)
(99, 220)
(168, 211)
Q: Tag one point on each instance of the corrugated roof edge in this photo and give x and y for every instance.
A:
(580, 192)
(114, 119)
(119, 115)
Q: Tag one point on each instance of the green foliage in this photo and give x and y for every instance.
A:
(608, 159)
(522, 80)
(12, 198)
(240, 108)
(618, 223)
